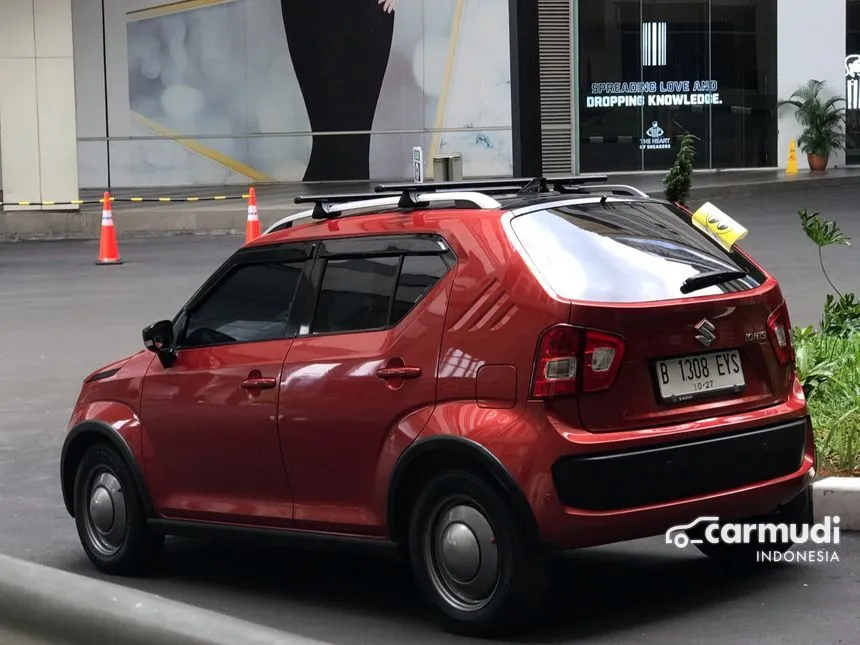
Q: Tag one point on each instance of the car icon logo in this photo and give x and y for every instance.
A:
(707, 332)
(678, 536)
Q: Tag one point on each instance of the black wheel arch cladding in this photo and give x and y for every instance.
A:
(457, 450)
(78, 440)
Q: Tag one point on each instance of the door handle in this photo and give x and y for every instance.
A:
(262, 383)
(398, 372)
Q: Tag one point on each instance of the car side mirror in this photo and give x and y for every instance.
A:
(159, 339)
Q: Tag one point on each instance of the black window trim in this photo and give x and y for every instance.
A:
(392, 298)
(346, 248)
(290, 253)
(382, 245)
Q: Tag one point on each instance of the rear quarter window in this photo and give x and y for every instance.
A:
(625, 251)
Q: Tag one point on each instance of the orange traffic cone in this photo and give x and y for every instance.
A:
(108, 251)
(252, 227)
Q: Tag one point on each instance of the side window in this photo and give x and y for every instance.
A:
(419, 275)
(252, 304)
(356, 294)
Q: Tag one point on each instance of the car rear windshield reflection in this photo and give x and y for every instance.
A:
(623, 252)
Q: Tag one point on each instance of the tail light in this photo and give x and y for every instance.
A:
(779, 330)
(570, 359)
(603, 356)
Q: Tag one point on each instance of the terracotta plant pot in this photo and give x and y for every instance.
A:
(817, 162)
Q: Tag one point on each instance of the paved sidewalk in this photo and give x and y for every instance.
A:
(276, 201)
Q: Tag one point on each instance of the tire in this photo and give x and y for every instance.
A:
(109, 516)
(798, 511)
(507, 573)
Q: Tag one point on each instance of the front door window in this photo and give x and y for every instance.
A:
(252, 304)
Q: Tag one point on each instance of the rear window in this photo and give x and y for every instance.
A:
(624, 251)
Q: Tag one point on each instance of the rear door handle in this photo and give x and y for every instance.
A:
(398, 372)
(262, 383)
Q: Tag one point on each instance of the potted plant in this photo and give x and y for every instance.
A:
(822, 120)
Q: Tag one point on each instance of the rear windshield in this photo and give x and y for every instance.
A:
(624, 251)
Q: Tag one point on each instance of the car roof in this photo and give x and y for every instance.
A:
(433, 205)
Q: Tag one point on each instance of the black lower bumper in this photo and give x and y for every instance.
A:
(677, 471)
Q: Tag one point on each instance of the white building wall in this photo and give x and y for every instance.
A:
(810, 44)
(37, 101)
(205, 92)
(90, 91)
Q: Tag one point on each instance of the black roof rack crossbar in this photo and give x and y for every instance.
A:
(498, 185)
(340, 198)
(473, 184)
(536, 185)
(563, 183)
(504, 189)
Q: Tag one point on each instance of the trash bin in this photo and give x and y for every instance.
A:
(448, 167)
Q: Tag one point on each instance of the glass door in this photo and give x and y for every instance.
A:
(743, 60)
(610, 75)
(852, 83)
(675, 55)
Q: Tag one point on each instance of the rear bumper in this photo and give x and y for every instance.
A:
(624, 495)
(672, 472)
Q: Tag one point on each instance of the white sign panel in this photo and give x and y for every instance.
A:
(418, 164)
(654, 44)
(852, 82)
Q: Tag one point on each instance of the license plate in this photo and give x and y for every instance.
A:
(689, 377)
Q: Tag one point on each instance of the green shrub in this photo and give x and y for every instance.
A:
(841, 316)
(679, 179)
(828, 366)
(828, 363)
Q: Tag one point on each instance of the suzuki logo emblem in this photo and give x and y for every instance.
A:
(707, 332)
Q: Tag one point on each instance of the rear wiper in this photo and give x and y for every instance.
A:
(709, 279)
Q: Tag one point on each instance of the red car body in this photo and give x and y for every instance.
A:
(321, 445)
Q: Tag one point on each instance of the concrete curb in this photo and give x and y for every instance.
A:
(41, 606)
(838, 496)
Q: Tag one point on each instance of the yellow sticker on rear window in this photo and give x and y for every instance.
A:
(722, 228)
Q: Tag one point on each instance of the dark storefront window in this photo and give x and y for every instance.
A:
(651, 70)
(852, 82)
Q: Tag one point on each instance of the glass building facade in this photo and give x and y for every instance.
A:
(649, 71)
(852, 82)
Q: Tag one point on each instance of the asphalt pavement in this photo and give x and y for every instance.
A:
(61, 317)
